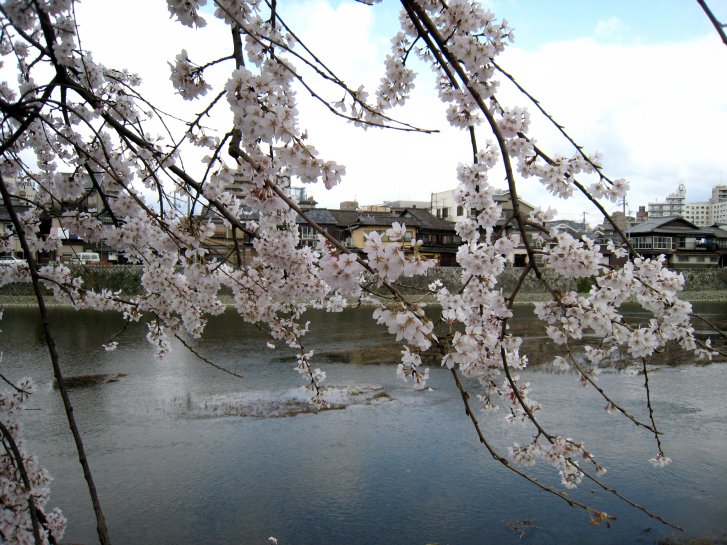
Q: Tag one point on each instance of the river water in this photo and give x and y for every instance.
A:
(186, 454)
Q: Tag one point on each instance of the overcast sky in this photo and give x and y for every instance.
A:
(645, 83)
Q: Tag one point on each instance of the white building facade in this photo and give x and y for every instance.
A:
(672, 206)
(711, 212)
(702, 214)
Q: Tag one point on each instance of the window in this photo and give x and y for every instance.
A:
(445, 212)
(662, 243)
(642, 243)
(307, 232)
(460, 211)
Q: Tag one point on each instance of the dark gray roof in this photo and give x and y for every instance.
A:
(379, 218)
(414, 217)
(717, 231)
(426, 220)
(322, 216)
(18, 206)
(669, 225)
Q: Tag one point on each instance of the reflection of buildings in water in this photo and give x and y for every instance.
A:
(541, 350)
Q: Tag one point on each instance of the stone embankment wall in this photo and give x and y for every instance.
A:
(127, 278)
(695, 280)
(451, 277)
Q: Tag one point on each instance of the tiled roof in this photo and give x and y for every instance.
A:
(667, 225)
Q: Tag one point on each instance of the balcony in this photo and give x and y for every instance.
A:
(673, 244)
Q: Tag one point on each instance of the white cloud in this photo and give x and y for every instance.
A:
(610, 28)
(658, 112)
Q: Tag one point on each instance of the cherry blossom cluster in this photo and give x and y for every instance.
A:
(399, 80)
(68, 113)
(187, 78)
(386, 256)
(23, 482)
(462, 39)
(340, 270)
(408, 323)
(655, 287)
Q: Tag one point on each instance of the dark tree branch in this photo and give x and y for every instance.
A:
(718, 25)
(101, 527)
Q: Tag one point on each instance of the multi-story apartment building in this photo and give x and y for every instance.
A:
(672, 206)
(719, 193)
(699, 213)
(444, 206)
(711, 212)
(702, 214)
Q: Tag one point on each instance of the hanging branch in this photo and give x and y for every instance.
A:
(49, 338)
(718, 25)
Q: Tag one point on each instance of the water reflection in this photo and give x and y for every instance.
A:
(407, 469)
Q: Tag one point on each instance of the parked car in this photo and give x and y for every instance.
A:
(86, 258)
(12, 260)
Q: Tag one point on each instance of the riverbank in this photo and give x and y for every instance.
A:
(22, 301)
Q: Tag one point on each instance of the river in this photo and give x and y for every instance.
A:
(186, 454)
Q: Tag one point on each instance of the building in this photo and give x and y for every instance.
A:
(444, 206)
(699, 213)
(720, 242)
(672, 206)
(702, 213)
(395, 206)
(21, 192)
(349, 227)
(305, 200)
(439, 239)
(94, 194)
(336, 223)
(642, 214)
(684, 244)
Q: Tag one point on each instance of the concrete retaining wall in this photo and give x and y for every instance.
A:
(127, 279)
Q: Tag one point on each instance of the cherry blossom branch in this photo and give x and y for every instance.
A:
(505, 462)
(324, 72)
(651, 408)
(101, 527)
(204, 359)
(611, 403)
(456, 67)
(598, 168)
(518, 286)
(711, 324)
(10, 383)
(17, 458)
(552, 440)
(431, 30)
(593, 201)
